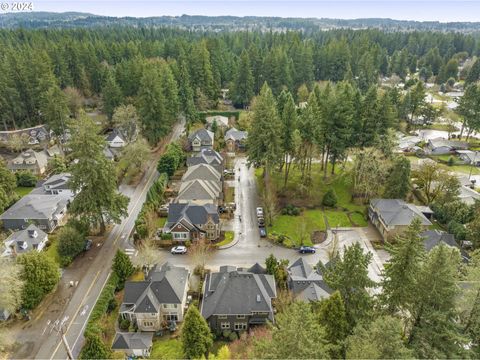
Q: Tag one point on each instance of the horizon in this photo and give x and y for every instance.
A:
(424, 11)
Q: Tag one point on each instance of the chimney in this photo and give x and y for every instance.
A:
(32, 233)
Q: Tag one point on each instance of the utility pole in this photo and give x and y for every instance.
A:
(64, 340)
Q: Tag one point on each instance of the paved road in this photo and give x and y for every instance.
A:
(250, 248)
(90, 286)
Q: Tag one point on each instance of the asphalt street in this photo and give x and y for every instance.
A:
(77, 311)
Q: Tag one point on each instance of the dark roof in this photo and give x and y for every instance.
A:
(398, 212)
(163, 285)
(434, 238)
(132, 341)
(257, 269)
(189, 214)
(22, 237)
(202, 134)
(301, 278)
(116, 132)
(233, 291)
(205, 156)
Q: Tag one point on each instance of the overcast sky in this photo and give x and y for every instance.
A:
(439, 10)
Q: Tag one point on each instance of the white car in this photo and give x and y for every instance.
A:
(179, 250)
(259, 212)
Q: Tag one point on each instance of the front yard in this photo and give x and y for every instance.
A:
(22, 190)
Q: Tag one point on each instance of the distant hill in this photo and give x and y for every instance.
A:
(40, 20)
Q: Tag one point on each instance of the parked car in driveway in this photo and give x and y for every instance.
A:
(263, 232)
(261, 222)
(307, 250)
(179, 250)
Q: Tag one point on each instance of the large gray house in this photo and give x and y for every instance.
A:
(23, 241)
(193, 222)
(306, 283)
(234, 299)
(201, 139)
(158, 300)
(393, 216)
(209, 157)
(200, 192)
(31, 161)
(45, 211)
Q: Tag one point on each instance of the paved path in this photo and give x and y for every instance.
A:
(78, 309)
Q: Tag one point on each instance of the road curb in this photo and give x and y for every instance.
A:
(228, 246)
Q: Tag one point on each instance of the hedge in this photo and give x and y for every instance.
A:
(101, 306)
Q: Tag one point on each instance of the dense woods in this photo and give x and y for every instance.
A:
(164, 70)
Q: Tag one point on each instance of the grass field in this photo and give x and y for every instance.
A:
(22, 190)
(358, 219)
(166, 349)
(229, 235)
(52, 251)
(337, 219)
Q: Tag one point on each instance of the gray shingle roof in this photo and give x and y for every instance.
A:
(440, 142)
(236, 135)
(237, 292)
(193, 214)
(132, 341)
(29, 159)
(36, 207)
(24, 236)
(201, 172)
(116, 132)
(163, 285)
(199, 190)
(205, 156)
(58, 181)
(301, 278)
(398, 212)
(203, 135)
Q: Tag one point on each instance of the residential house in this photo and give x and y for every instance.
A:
(45, 211)
(158, 300)
(30, 160)
(202, 172)
(209, 157)
(4, 314)
(393, 216)
(35, 135)
(115, 139)
(134, 344)
(193, 222)
(54, 151)
(200, 192)
(58, 184)
(409, 143)
(440, 146)
(469, 157)
(108, 153)
(306, 283)
(201, 139)
(235, 139)
(235, 299)
(468, 195)
(23, 241)
(222, 121)
(434, 238)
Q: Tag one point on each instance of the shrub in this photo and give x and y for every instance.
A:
(26, 178)
(451, 161)
(330, 198)
(124, 324)
(233, 336)
(112, 304)
(70, 243)
(291, 210)
(226, 334)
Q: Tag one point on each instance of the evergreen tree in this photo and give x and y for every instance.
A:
(264, 142)
(288, 117)
(402, 271)
(55, 110)
(434, 331)
(95, 348)
(398, 180)
(8, 184)
(381, 339)
(242, 91)
(196, 336)
(94, 177)
(332, 316)
(185, 93)
(349, 275)
(296, 334)
(122, 266)
(112, 95)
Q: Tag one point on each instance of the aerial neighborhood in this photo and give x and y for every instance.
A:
(188, 187)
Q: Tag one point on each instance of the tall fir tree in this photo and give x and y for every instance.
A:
(243, 82)
(196, 336)
(111, 93)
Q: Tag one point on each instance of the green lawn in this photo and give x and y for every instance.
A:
(22, 190)
(337, 218)
(161, 222)
(52, 250)
(291, 226)
(166, 349)
(229, 195)
(229, 235)
(358, 219)
(466, 169)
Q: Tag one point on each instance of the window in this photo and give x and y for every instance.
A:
(240, 326)
(224, 325)
(240, 316)
(148, 323)
(222, 316)
(170, 317)
(181, 236)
